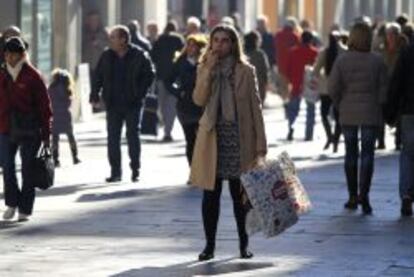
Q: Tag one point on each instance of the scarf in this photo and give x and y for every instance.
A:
(222, 95)
(14, 71)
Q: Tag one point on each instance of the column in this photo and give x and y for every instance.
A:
(270, 8)
(67, 33)
(113, 12)
(304, 7)
(154, 10)
(249, 11)
(129, 11)
(9, 11)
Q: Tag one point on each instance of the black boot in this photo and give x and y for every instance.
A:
(329, 137)
(364, 188)
(352, 203)
(244, 250)
(290, 134)
(74, 151)
(366, 206)
(208, 253)
(55, 155)
(351, 173)
(210, 213)
(406, 207)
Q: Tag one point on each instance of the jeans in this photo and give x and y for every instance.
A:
(115, 119)
(352, 153)
(310, 120)
(167, 102)
(23, 198)
(407, 158)
(292, 110)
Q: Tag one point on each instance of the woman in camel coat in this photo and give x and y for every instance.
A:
(231, 134)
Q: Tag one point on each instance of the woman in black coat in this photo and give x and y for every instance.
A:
(181, 84)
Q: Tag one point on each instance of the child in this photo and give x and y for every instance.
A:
(60, 92)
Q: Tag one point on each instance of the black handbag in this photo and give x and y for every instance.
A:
(43, 169)
(149, 122)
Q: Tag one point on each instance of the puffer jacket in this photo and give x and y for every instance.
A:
(400, 100)
(357, 85)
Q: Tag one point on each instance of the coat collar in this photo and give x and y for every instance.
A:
(240, 72)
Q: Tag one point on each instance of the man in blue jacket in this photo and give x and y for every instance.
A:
(123, 77)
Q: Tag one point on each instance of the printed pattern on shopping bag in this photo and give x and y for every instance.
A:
(277, 196)
(268, 193)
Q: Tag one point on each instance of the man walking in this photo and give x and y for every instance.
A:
(163, 53)
(299, 57)
(123, 77)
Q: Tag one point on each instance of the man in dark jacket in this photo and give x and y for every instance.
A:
(136, 37)
(124, 74)
(163, 54)
(400, 108)
(268, 45)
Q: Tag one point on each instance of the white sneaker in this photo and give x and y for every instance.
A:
(9, 213)
(23, 217)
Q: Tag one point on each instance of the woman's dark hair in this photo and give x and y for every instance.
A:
(307, 37)
(237, 50)
(360, 38)
(331, 51)
(171, 26)
(252, 41)
(15, 45)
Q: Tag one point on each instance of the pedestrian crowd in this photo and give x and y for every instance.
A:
(216, 84)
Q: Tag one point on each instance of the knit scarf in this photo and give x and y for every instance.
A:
(222, 95)
(14, 71)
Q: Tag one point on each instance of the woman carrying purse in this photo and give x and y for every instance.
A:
(25, 119)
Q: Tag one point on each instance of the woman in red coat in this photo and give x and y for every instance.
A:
(23, 101)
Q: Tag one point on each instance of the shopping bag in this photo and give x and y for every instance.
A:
(43, 172)
(296, 190)
(310, 86)
(149, 122)
(276, 195)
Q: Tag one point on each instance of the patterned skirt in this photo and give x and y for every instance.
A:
(228, 148)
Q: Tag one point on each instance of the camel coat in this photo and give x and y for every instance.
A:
(250, 119)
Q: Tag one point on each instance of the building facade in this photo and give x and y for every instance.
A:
(53, 28)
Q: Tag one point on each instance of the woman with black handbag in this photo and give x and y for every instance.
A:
(25, 120)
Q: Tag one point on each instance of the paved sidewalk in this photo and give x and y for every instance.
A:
(84, 227)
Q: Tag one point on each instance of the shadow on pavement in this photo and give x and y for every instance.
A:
(92, 197)
(5, 224)
(71, 189)
(195, 269)
(176, 155)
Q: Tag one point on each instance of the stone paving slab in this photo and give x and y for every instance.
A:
(84, 227)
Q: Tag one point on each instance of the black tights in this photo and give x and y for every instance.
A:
(211, 211)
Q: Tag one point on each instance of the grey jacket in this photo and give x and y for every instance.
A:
(357, 85)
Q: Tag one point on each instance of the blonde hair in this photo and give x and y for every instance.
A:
(62, 76)
(360, 38)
